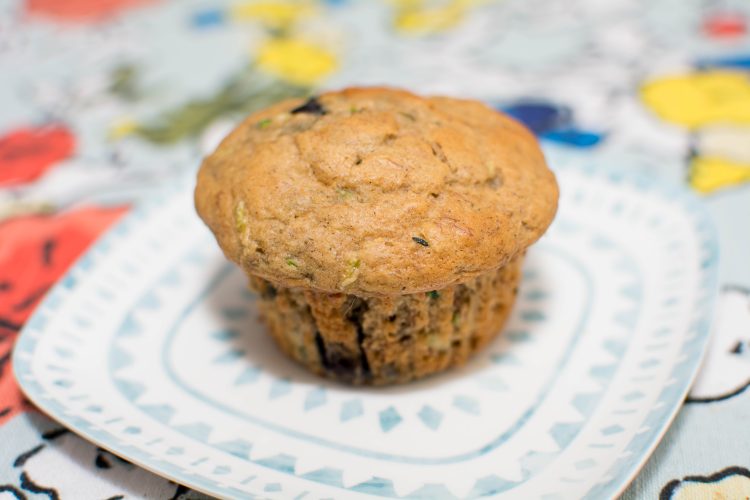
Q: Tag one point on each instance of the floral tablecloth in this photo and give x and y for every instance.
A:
(101, 101)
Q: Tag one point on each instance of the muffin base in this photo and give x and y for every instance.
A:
(388, 340)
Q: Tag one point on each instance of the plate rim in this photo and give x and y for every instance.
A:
(615, 487)
(708, 295)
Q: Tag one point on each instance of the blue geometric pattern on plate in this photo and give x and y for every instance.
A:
(155, 353)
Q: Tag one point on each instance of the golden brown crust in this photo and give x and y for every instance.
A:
(387, 339)
(386, 193)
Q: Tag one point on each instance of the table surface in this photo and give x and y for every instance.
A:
(101, 101)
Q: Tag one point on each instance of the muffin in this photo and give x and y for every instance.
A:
(383, 231)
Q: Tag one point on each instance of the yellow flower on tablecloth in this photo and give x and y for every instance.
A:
(700, 98)
(122, 128)
(420, 17)
(296, 60)
(710, 174)
(722, 157)
(715, 106)
(278, 15)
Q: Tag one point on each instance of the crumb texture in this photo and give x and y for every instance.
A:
(375, 192)
(388, 340)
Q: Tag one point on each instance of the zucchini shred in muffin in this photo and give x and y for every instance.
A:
(384, 231)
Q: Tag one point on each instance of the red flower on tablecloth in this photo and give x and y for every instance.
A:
(35, 251)
(725, 25)
(26, 153)
(81, 10)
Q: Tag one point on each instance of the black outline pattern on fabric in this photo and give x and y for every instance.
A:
(48, 249)
(9, 325)
(668, 490)
(179, 491)
(55, 433)
(716, 399)
(3, 360)
(9, 488)
(21, 459)
(28, 484)
(31, 299)
(736, 392)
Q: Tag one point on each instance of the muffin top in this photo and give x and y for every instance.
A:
(375, 191)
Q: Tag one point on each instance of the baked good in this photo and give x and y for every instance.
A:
(384, 231)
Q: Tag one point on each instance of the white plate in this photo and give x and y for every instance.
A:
(150, 348)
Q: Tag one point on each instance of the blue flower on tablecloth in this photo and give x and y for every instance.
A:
(552, 122)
